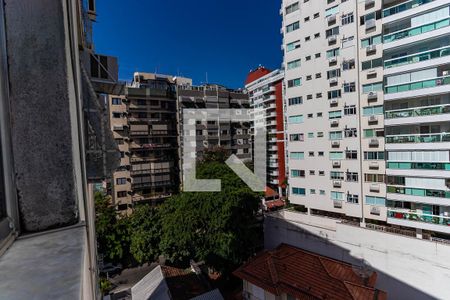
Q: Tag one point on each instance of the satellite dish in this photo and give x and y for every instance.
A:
(363, 269)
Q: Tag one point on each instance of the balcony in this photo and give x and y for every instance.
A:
(418, 85)
(418, 112)
(418, 219)
(418, 138)
(416, 57)
(403, 7)
(404, 33)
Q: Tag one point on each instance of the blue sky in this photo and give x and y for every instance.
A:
(224, 38)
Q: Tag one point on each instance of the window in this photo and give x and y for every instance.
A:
(295, 101)
(312, 191)
(347, 19)
(311, 154)
(379, 178)
(348, 64)
(309, 97)
(117, 115)
(321, 153)
(350, 110)
(377, 201)
(319, 95)
(316, 35)
(335, 114)
(373, 87)
(351, 154)
(316, 15)
(332, 11)
(320, 134)
(298, 173)
(116, 101)
(349, 87)
(374, 155)
(309, 77)
(293, 46)
(308, 57)
(373, 110)
(291, 8)
(335, 135)
(351, 176)
(121, 181)
(122, 194)
(374, 63)
(336, 175)
(319, 115)
(321, 173)
(296, 119)
(322, 192)
(352, 198)
(312, 172)
(298, 191)
(348, 42)
(292, 27)
(293, 64)
(310, 135)
(296, 137)
(333, 53)
(306, 19)
(294, 82)
(317, 55)
(337, 196)
(373, 15)
(297, 155)
(334, 94)
(336, 155)
(332, 31)
(333, 73)
(374, 40)
(318, 75)
(307, 39)
(370, 133)
(351, 132)
(310, 116)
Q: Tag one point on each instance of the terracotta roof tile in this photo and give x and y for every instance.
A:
(306, 275)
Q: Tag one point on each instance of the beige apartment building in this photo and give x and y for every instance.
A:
(147, 125)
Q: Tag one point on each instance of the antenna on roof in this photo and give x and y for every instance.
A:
(207, 78)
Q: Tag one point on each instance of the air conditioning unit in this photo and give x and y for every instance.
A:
(370, 24)
(374, 165)
(335, 144)
(375, 211)
(372, 96)
(334, 123)
(337, 204)
(374, 143)
(369, 3)
(336, 164)
(331, 18)
(375, 188)
(332, 60)
(332, 39)
(333, 80)
(371, 49)
(333, 101)
(373, 119)
(337, 183)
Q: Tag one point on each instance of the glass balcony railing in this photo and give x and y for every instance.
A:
(416, 57)
(415, 30)
(418, 138)
(418, 112)
(418, 192)
(417, 85)
(403, 6)
(418, 166)
(418, 217)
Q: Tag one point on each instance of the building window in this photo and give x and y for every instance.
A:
(311, 154)
(322, 192)
(351, 154)
(349, 87)
(306, 19)
(291, 8)
(312, 172)
(336, 175)
(374, 155)
(353, 198)
(319, 95)
(316, 35)
(337, 196)
(347, 19)
(293, 46)
(332, 11)
(298, 173)
(333, 73)
(312, 191)
(116, 101)
(378, 178)
(351, 176)
(309, 77)
(333, 53)
(350, 110)
(296, 137)
(293, 64)
(335, 135)
(377, 201)
(296, 119)
(317, 55)
(307, 39)
(373, 87)
(295, 101)
(298, 191)
(117, 115)
(294, 82)
(371, 64)
(122, 194)
(370, 133)
(297, 155)
(316, 15)
(336, 155)
(292, 27)
(351, 132)
(121, 181)
(373, 110)
(348, 64)
(308, 57)
(334, 94)
(334, 114)
(332, 31)
(374, 40)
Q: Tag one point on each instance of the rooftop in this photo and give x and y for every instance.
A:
(302, 274)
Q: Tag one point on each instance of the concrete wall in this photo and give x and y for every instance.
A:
(407, 268)
(40, 113)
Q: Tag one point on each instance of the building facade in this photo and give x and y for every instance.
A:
(367, 116)
(265, 90)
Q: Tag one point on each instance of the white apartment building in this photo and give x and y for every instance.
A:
(367, 96)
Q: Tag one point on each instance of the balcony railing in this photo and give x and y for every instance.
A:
(416, 57)
(418, 85)
(418, 112)
(418, 192)
(418, 217)
(401, 34)
(418, 138)
(419, 166)
(403, 6)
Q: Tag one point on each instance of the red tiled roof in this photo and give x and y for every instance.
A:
(276, 203)
(306, 275)
(270, 192)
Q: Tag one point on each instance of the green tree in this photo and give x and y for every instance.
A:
(145, 234)
(112, 231)
(220, 228)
